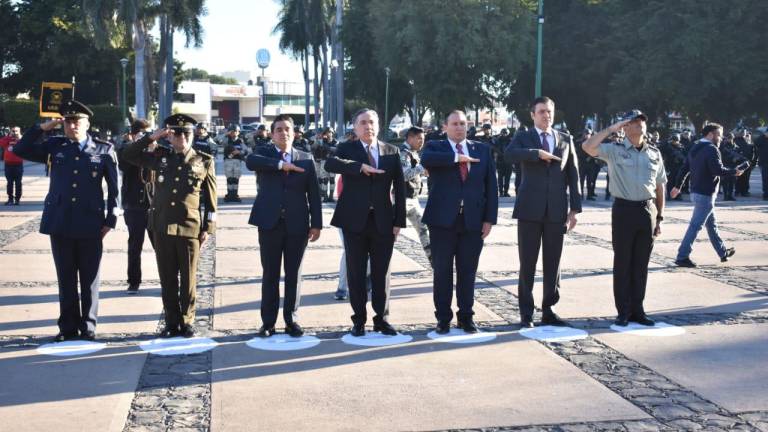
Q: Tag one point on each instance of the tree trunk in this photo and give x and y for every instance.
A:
(169, 72)
(327, 97)
(161, 97)
(306, 88)
(317, 89)
(140, 48)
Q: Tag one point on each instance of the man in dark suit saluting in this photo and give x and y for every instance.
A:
(460, 212)
(550, 181)
(370, 171)
(288, 212)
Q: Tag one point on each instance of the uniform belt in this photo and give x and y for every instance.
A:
(628, 203)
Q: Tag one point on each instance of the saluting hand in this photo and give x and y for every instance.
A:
(51, 124)
(369, 170)
(288, 167)
(618, 126)
(160, 133)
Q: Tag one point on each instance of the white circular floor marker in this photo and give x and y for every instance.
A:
(283, 342)
(375, 339)
(661, 329)
(70, 348)
(459, 336)
(554, 333)
(178, 345)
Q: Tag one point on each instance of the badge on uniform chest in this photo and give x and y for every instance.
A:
(160, 178)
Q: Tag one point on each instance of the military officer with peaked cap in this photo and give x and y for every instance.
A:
(75, 215)
(178, 227)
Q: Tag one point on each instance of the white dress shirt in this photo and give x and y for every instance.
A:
(285, 158)
(464, 149)
(551, 142)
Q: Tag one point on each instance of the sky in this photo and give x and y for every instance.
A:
(233, 31)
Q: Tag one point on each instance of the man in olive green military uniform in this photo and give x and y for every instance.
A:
(177, 225)
(637, 184)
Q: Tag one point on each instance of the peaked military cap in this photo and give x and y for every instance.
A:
(634, 114)
(180, 121)
(75, 109)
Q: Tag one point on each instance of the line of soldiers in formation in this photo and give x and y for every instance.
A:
(169, 191)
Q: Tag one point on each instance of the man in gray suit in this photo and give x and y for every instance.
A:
(550, 177)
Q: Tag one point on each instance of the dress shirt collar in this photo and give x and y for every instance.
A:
(464, 147)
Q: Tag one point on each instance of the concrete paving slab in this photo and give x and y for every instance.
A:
(755, 275)
(33, 311)
(238, 305)
(316, 261)
(670, 231)
(10, 222)
(44, 393)
(667, 293)
(725, 364)
(578, 257)
(16, 267)
(748, 253)
(761, 228)
(724, 215)
(115, 240)
(249, 238)
(338, 387)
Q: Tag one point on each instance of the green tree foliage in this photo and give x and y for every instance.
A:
(21, 112)
(53, 46)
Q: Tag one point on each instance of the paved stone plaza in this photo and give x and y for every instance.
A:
(711, 377)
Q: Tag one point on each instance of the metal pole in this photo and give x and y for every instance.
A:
(73, 87)
(386, 105)
(539, 44)
(124, 98)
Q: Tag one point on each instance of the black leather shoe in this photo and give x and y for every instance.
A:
(358, 330)
(526, 322)
(553, 320)
(467, 325)
(621, 321)
(169, 332)
(728, 253)
(132, 289)
(443, 327)
(88, 335)
(643, 320)
(265, 331)
(187, 330)
(385, 328)
(294, 330)
(61, 337)
(685, 263)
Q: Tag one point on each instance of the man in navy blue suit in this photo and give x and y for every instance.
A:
(550, 181)
(288, 213)
(371, 172)
(461, 209)
(74, 214)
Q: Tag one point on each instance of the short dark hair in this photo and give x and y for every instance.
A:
(281, 118)
(138, 126)
(540, 100)
(456, 111)
(361, 112)
(413, 130)
(709, 128)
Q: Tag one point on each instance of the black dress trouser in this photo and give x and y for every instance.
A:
(531, 236)
(137, 222)
(77, 258)
(632, 224)
(359, 247)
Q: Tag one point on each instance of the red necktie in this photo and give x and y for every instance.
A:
(463, 167)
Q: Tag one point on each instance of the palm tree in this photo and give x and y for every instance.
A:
(294, 39)
(116, 22)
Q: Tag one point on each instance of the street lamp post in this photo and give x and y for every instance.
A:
(386, 104)
(539, 44)
(124, 98)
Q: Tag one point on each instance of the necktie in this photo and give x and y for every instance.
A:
(544, 143)
(284, 157)
(463, 168)
(371, 159)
